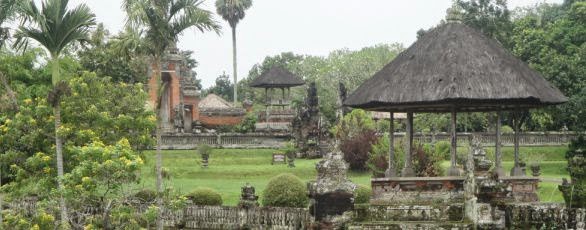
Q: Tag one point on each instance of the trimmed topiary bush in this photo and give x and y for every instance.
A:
(362, 194)
(146, 195)
(205, 196)
(285, 190)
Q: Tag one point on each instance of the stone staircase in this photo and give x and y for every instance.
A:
(413, 216)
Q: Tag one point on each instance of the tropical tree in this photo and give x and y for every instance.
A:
(8, 10)
(55, 27)
(233, 11)
(162, 21)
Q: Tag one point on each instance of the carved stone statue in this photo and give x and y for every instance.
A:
(178, 120)
(248, 198)
(481, 164)
(306, 124)
(342, 94)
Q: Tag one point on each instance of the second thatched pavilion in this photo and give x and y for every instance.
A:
(454, 68)
(278, 114)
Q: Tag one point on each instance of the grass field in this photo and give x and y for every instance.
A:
(229, 169)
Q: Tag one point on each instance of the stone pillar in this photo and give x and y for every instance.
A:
(453, 170)
(391, 172)
(498, 168)
(516, 170)
(408, 169)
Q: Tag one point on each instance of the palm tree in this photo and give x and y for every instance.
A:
(162, 21)
(233, 11)
(55, 27)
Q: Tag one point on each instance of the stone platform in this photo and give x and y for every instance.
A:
(417, 190)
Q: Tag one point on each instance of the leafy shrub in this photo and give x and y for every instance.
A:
(146, 195)
(507, 129)
(205, 196)
(362, 194)
(353, 124)
(285, 190)
(356, 132)
(442, 148)
(426, 161)
(575, 192)
(247, 125)
(379, 157)
(204, 150)
(356, 149)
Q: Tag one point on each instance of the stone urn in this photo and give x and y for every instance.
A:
(204, 160)
(535, 169)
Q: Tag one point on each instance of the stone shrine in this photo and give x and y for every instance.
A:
(332, 193)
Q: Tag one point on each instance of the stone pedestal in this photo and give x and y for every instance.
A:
(332, 192)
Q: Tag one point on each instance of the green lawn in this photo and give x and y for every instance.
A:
(231, 168)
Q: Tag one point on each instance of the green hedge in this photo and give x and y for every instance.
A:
(285, 190)
(362, 194)
(205, 196)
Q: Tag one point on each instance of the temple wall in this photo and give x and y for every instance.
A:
(194, 102)
(225, 140)
(217, 120)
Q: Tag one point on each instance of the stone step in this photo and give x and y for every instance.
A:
(438, 213)
(411, 225)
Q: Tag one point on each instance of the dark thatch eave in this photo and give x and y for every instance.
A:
(277, 77)
(454, 67)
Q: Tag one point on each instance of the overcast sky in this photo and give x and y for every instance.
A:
(313, 27)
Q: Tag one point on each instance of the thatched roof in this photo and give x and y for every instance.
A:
(214, 101)
(277, 77)
(216, 104)
(454, 66)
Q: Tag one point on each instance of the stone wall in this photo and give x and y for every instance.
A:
(216, 120)
(225, 140)
(221, 217)
(544, 216)
(277, 140)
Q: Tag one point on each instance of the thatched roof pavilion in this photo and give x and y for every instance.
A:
(454, 68)
(454, 65)
(277, 77)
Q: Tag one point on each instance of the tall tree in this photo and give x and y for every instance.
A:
(162, 21)
(55, 27)
(491, 17)
(8, 10)
(222, 88)
(233, 11)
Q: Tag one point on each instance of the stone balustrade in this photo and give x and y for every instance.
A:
(225, 140)
(488, 139)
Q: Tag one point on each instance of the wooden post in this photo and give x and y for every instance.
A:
(391, 172)
(453, 170)
(266, 104)
(516, 170)
(408, 169)
(498, 168)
